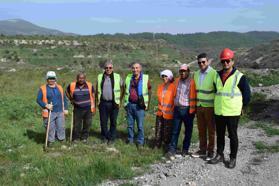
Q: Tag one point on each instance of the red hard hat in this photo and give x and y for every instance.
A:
(226, 54)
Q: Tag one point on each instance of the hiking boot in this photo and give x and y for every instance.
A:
(199, 154)
(209, 156)
(185, 153)
(231, 164)
(218, 158)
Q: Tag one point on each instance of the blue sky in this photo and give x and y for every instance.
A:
(132, 16)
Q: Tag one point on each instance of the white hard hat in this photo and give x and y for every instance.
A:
(50, 74)
(167, 73)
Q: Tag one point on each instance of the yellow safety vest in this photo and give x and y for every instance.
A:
(205, 91)
(144, 89)
(228, 98)
(116, 89)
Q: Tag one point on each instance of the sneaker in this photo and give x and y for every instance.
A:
(129, 142)
(199, 154)
(104, 141)
(218, 158)
(50, 144)
(185, 153)
(140, 147)
(85, 141)
(209, 156)
(170, 155)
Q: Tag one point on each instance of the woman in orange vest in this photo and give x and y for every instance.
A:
(165, 93)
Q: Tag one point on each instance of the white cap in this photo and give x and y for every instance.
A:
(167, 73)
(51, 74)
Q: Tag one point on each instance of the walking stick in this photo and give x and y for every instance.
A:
(48, 124)
(72, 126)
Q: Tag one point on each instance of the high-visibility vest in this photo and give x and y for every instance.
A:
(116, 89)
(44, 99)
(166, 100)
(144, 89)
(89, 85)
(206, 90)
(192, 95)
(228, 98)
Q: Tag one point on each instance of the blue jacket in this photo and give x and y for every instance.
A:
(54, 96)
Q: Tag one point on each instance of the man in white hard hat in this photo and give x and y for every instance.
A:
(51, 97)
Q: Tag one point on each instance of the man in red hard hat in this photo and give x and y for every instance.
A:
(232, 93)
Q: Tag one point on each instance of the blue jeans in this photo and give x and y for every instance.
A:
(57, 126)
(181, 114)
(135, 113)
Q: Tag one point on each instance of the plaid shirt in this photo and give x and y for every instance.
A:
(182, 93)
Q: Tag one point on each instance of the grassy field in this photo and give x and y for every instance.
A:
(22, 159)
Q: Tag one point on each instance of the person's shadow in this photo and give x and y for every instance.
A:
(38, 137)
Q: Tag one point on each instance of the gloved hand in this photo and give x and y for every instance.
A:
(66, 112)
(49, 106)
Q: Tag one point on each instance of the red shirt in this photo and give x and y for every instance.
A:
(133, 98)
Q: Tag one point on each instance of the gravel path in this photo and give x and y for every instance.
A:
(252, 168)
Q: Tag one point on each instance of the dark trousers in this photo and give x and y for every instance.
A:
(181, 114)
(163, 129)
(82, 123)
(231, 123)
(108, 110)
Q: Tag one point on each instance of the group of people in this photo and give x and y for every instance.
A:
(215, 97)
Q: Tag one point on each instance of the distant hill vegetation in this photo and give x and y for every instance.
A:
(211, 40)
(219, 39)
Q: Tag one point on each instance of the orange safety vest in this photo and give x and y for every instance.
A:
(44, 92)
(166, 100)
(89, 85)
(192, 95)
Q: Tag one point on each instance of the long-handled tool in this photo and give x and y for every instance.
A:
(72, 126)
(48, 125)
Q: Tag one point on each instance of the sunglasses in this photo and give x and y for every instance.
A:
(201, 62)
(108, 68)
(163, 76)
(226, 61)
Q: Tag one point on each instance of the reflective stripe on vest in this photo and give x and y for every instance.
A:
(205, 91)
(228, 99)
(44, 99)
(116, 89)
(89, 85)
(144, 89)
(165, 100)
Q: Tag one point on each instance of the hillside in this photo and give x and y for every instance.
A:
(262, 56)
(218, 39)
(22, 27)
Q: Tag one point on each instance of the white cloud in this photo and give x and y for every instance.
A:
(106, 20)
(151, 21)
(182, 20)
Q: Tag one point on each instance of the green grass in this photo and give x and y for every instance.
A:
(22, 159)
(267, 128)
(266, 80)
(263, 147)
